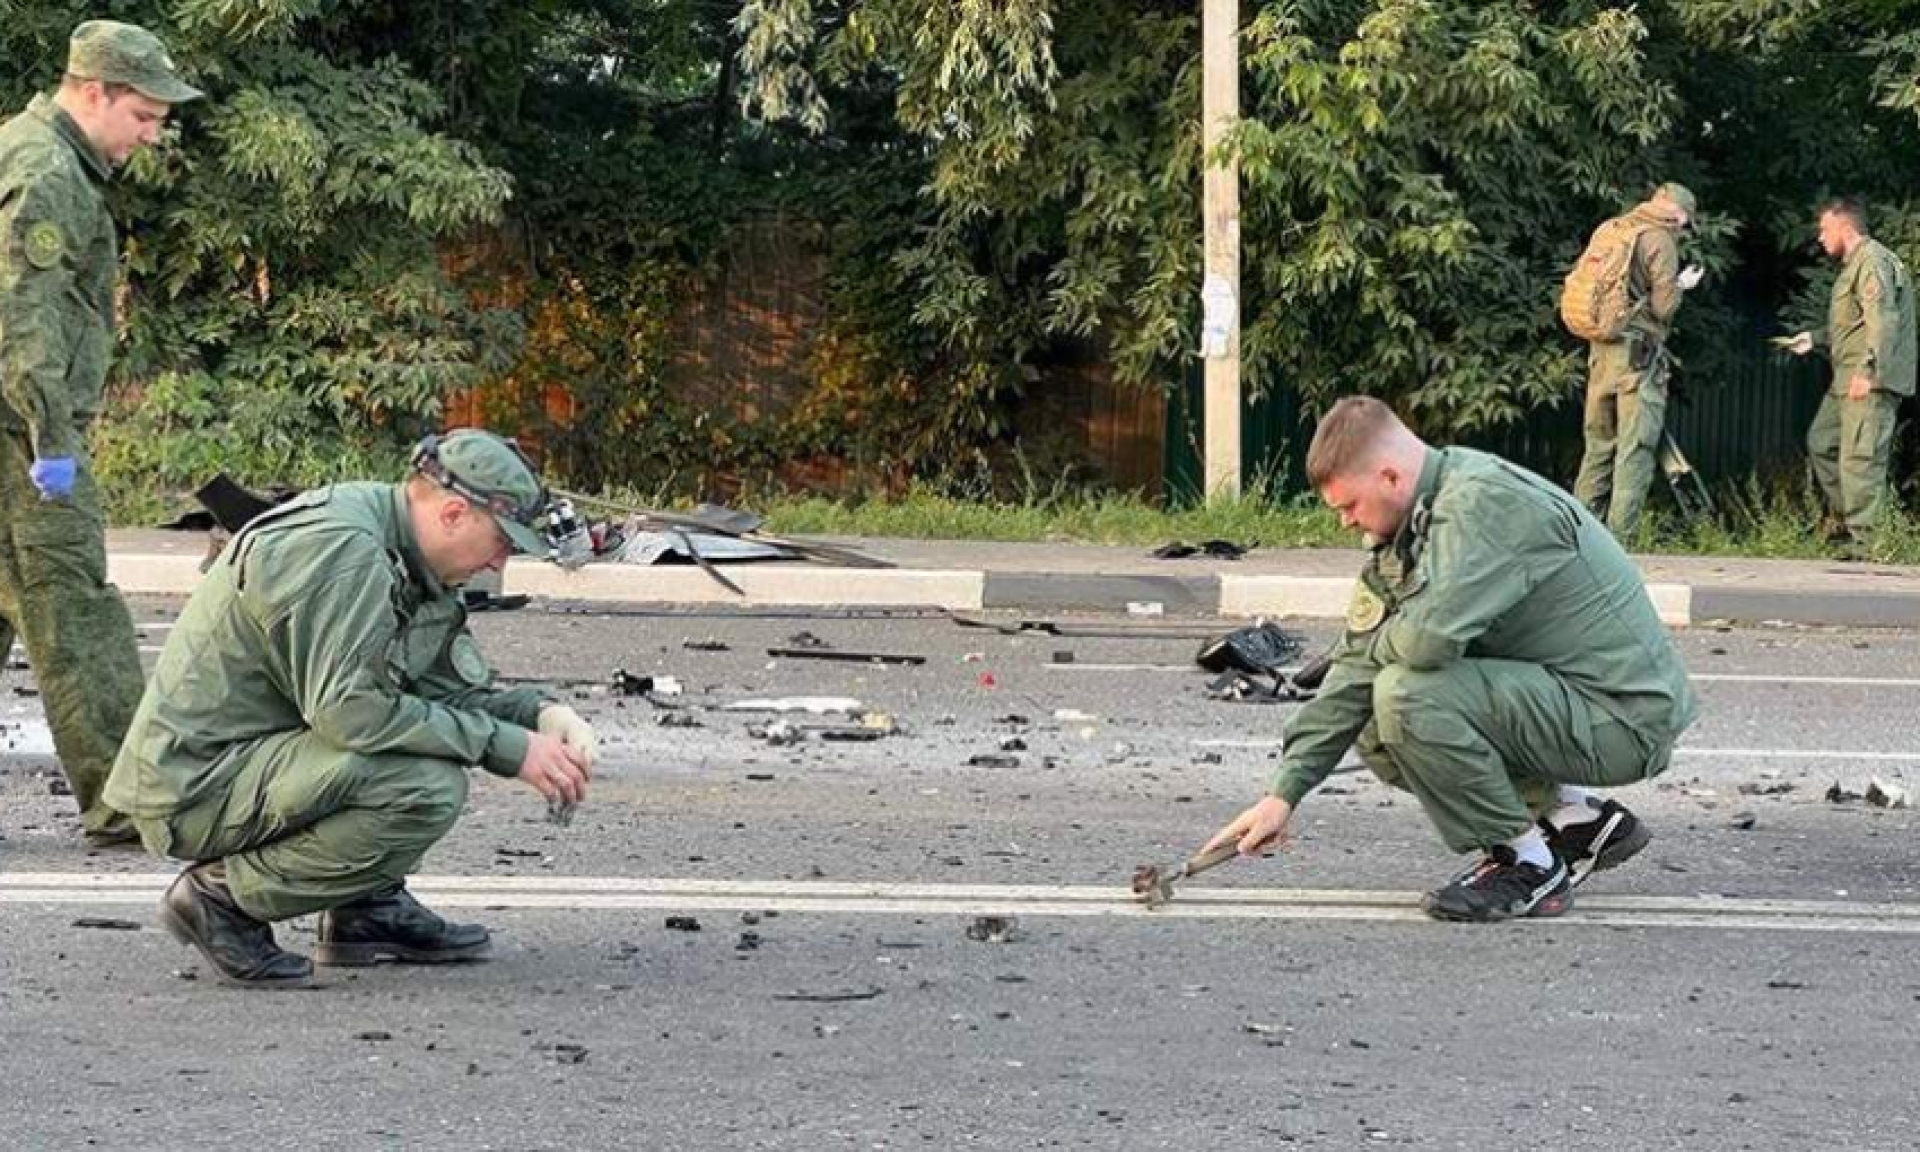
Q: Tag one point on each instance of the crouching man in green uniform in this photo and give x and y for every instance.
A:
(307, 732)
(1500, 658)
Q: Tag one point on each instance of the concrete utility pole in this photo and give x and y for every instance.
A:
(1220, 292)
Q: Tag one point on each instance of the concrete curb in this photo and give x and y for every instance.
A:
(1209, 594)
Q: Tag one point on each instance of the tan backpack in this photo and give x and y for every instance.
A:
(1594, 302)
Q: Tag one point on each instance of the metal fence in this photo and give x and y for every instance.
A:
(1753, 418)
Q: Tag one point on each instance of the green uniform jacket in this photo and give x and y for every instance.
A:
(1494, 563)
(58, 263)
(321, 615)
(1870, 323)
(1653, 274)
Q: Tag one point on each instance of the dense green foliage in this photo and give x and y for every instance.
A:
(383, 206)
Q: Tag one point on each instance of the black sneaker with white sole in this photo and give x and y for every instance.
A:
(1609, 840)
(1502, 887)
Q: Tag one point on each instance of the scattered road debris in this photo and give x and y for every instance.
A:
(710, 644)
(682, 924)
(806, 640)
(563, 1053)
(1133, 629)
(1881, 794)
(106, 923)
(992, 760)
(1744, 822)
(678, 720)
(1146, 608)
(627, 683)
(991, 929)
(1210, 549)
(560, 811)
(812, 705)
(1258, 648)
(1768, 788)
(1074, 716)
(828, 997)
(846, 657)
(779, 733)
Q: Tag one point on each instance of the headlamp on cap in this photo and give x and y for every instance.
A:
(553, 523)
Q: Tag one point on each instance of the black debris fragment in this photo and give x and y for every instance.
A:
(106, 923)
(828, 997)
(518, 853)
(563, 1053)
(375, 1036)
(678, 719)
(806, 640)
(991, 929)
(682, 924)
(748, 942)
(1258, 648)
(1210, 549)
(709, 644)
(992, 760)
(58, 786)
(848, 657)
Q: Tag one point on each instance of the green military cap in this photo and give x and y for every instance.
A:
(1678, 194)
(493, 473)
(116, 53)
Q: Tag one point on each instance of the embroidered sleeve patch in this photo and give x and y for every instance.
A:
(1870, 288)
(45, 244)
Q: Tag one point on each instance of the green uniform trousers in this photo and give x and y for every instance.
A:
(1848, 445)
(1485, 744)
(305, 825)
(1626, 412)
(79, 638)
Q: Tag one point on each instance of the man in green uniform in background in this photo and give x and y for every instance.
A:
(1626, 404)
(1870, 339)
(58, 266)
(311, 720)
(1500, 658)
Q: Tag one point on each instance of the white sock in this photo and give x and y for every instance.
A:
(1530, 847)
(1576, 806)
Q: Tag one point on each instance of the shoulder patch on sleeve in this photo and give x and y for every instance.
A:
(1870, 289)
(45, 244)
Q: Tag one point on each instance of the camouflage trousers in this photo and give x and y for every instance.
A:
(1626, 412)
(1848, 446)
(1485, 744)
(306, 825)
(79, 638)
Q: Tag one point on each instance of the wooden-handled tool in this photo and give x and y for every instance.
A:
(1153, 883)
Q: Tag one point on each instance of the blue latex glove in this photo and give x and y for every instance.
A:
(54, 477)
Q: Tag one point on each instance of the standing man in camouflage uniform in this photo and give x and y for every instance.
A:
(308, 731)
(1870, 339)
(58, 266)
(1626, 405)
(1500, 658)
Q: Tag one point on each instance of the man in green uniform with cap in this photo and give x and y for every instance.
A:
(313, 714)
(1626, 404)
(58, 266)
(1870, 339)
(1501, 657)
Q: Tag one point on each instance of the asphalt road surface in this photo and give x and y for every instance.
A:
(1746, 983)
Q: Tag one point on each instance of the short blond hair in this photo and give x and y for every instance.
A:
(1349, 435)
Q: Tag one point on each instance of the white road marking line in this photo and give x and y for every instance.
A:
(612, 894)
(1766, 678)
(1797, 754)
(1697, 677)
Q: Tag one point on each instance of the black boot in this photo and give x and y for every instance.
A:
(392, 925)
(198, 910)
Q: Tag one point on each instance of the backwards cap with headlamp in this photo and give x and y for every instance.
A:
(495, 475)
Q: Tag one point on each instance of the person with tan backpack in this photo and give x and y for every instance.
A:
(1620, 298)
